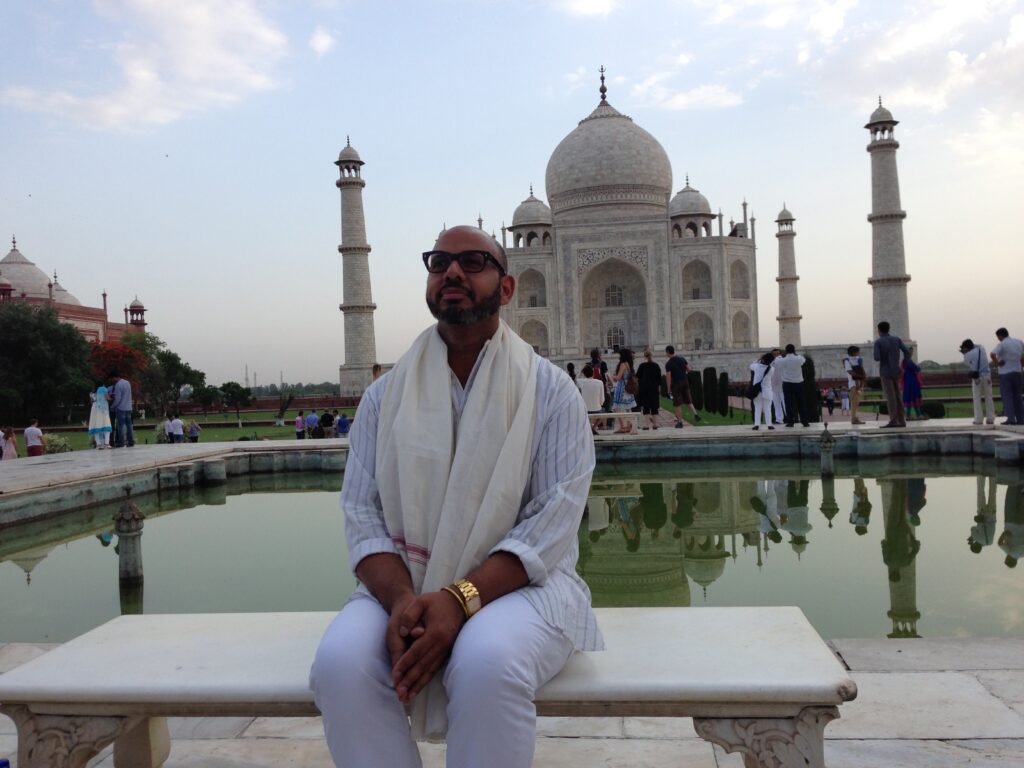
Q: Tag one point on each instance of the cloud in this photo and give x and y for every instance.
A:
(824, 18)
(586, 7)
(176, 58)
(995, 143)
(321, 41)
(656, 91)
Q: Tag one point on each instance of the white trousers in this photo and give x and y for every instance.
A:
(981, 389)
(763, 405)
(777, 401)
(501, 657)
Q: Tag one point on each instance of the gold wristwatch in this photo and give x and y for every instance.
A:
(470, 596)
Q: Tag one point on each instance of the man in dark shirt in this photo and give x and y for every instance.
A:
(887, 354)
(678, 384)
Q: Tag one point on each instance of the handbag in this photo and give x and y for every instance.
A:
(632, 386)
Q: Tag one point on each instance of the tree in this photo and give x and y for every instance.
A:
(206, 396)
(109, 356)
(177, 374)
(812, 398)
(161, 381)
(236, 396)
(696, 389)
(44, 364)
(710, 390)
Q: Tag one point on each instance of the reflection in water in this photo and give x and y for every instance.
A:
(652, 541)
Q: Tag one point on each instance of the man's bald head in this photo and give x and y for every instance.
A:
(468, 238)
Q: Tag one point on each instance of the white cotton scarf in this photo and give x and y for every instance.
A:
(449, 497)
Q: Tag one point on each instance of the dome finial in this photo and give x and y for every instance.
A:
(604, 91)
(14, 243)
(348, 143)
(531, 190)
(879, 99)
(55, 275)
(687, 179)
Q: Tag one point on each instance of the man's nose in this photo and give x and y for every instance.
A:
(455, 270)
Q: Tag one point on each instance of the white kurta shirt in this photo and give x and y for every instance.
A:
(544, 537)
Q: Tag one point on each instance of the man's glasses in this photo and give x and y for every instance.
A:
(437, 262)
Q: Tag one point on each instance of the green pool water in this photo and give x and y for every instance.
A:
(863, 557)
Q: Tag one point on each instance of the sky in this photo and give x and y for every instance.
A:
(183, 151)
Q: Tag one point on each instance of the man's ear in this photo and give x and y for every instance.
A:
(508, 288)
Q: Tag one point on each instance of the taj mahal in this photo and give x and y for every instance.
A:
(615, 259)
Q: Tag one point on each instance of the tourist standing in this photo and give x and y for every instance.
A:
(648, 396)
(9, 449)
(778, 400)
(124, 431)
(300, 426)
(913, 393)
(624, 401)
(502, 602)
(1007, 354)
(592, 391)
(844, 401)
(983, 532)
(887, 351)
(33, 438)
(761, 382)
(327, 423)
(343, 425)
(601, 374)
(676, 370)
(853, 364)
(1011, 540)
(334, 420)
(980, 375)
(791, 366)
(99, 418)
(312, 420)
(570, 368)
(177, 427)
(193, 431)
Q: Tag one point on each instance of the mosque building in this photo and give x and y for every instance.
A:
(22, 281)
(615, 260)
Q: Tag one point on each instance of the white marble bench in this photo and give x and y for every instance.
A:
(759, 681)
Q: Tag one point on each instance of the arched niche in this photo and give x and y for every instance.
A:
(707, 229)
(677, 232)
(696, 281)
(691, 230)
(517, 240)
(698, 332)
(739, 280)
(531, 239)
(535, 333)
(614, 295)
(531, 288)
(546, 240)
(741, 330)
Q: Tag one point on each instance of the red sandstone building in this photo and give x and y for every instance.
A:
(22, 281)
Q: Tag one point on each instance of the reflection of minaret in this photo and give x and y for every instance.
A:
(889, 276)
(358, 307)
(899, 552)
(789, 304)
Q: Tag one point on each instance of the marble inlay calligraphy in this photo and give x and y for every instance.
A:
(588, 257)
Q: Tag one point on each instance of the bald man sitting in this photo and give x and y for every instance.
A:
(468, 470)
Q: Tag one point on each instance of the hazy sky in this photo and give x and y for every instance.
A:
(183, 151)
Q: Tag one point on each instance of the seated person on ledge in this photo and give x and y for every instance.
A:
(469, 467)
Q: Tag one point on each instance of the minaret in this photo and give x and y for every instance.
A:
(889, 276)
(789, 304)
(357, 306)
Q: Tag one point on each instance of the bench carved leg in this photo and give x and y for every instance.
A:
(62, 741)
(768, 742)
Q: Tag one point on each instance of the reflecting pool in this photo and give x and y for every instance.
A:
(863, 557)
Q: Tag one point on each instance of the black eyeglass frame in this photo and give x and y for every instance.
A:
(458, 257)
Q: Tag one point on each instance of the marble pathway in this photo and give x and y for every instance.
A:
(940, 703)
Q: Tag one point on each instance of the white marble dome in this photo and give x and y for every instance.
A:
(785, 215)
(62, 296)
(531, 211)
(881, 115)
(24, 275)
(689, 201)
(609, 156)
(349, 155)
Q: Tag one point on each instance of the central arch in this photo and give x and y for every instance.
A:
(696, 281)
(614, 305)
(531, 288)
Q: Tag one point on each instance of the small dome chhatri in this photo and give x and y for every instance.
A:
(689, 201)
(349, 154)
(881, 115)
(531, 211)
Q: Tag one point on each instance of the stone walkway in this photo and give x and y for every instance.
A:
(935, 703)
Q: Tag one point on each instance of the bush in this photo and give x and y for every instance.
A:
(710, 390)
(934, 410)
(812, 397)
(696, 389)
(55, 444)
(723, 393)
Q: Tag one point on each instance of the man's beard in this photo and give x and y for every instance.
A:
(479, 310)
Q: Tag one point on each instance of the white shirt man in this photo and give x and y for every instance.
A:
(593, 393)
(1007, 354)
(177, 430)
(981, 381)
(791, 365)
(482, 645)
